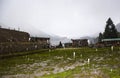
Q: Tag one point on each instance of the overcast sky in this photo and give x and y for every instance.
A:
(67, 18)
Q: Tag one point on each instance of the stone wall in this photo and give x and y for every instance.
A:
(10, 47)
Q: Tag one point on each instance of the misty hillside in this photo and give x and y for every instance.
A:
(118, 27)
(54, 39)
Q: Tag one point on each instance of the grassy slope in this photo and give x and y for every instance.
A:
(108, 67)
(104, 61)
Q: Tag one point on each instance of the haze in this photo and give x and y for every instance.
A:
(66, 18)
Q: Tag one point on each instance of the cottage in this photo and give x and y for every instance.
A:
(79, 42)
(112, 41)
(7, 35)
(67, 45)
(41, 40)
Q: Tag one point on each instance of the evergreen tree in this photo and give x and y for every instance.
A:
(110, 30)
(100, 37)
(60, 45)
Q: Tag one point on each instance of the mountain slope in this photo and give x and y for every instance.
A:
(34, 32)
(118, 27)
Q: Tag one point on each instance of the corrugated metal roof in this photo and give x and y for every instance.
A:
(112, 39)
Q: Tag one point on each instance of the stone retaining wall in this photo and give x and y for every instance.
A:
(10, 47)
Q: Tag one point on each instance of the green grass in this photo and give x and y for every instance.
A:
(104, 61)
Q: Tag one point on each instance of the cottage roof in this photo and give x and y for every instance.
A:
(112, 39)
(78, 39)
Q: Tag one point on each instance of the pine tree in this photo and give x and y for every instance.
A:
(100, 37)
(60, 45)
(110, 30)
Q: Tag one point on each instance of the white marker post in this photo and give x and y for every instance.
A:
(111, 48)
(73, 54)
(96, 49)
(88, 61)
(49, 50)
(26, 49)
(81, 55)
(36, 46)
(64, 46)
(111, 70)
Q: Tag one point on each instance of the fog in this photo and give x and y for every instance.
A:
(66, 18)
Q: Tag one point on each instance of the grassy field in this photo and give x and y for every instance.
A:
(64, 63)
